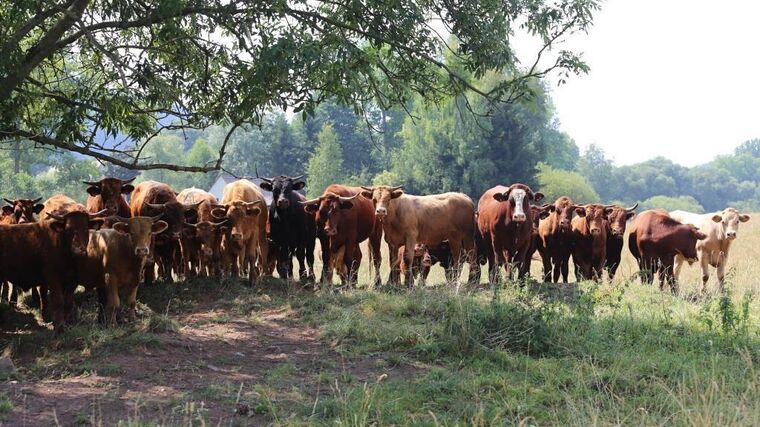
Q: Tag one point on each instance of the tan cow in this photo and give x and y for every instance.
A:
(246, 242)
(721, 229)
(115, 261)
(408, 220)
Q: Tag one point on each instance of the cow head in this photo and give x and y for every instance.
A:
(687, 247)
(329, 210)
(209, 234)
(596, 217)
(617, 218)
(282, 188)
(519, 197)
(381, 197)
(23, 210)
(564, 209)
(141, 230)
(539, 213)
(728, 221)
(174, 214)
(237, 213)
(110, 191)
(74, 227)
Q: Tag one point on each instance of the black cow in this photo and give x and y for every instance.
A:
(292, 229)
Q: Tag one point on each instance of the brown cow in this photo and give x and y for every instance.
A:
(20, 211)
(202, 237)
(244, 206)
(33, 254)
(151, 198)
(656, 239)
(505, 220)
(115, 260)
(590, 241)
(557, 239)
(539, 213)
(108, 193)
(408, 220)
(616, 223)
(421, 262)
(344, 220)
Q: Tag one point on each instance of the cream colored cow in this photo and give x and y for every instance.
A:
(721, 229)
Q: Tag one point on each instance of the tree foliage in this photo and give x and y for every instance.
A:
(555, 183)
(326, 165)
(103, 78)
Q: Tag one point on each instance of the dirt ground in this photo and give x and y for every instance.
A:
(208, 368)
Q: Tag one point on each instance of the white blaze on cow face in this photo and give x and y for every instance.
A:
(517, 198)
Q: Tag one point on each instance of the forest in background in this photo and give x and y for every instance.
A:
(460, 143)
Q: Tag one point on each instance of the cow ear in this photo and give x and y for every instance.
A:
(717, 218)
(93, 190)
(298, 185)
(629, 215)
(223, 229)
(543, 215)
(57, 226)
(38, 208)
(501, 197)
(127, 188)
(158, 227)
(191, 214)
(743, 217)
(700, 235)
(121, 227)
(96, 223)
(346, 204)
(311, 207)
(252, 210)
(580, 211)
(608, 211)
(266, 186)
(367, 194)
(8, 209)
(396, 194)
(537, 197)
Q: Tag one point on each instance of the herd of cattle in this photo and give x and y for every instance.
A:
(111, 246)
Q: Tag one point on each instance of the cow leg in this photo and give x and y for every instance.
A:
(132, 302)
(704, 264)
(309, 254)
(507, 257)
(263, 254)
(69, 311)
(102, 304)
(375, 254)
(458, 258)
(250, 260)
(112, 300)
(565, 268)
(546, 260)
(324, 244)
(557, 262)
(678, 265)
(56, 299)
(667, 275)
(355, 264)
(493, 270)
(395, 274)
(301, 256)
(283, 262)
(470, 252)
(149, 273)
(40, 294)
(721, 272)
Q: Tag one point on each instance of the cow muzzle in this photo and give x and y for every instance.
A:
(617, 232)
(381, 212)
(207, 252)
(731, 235)
(175, 235)
(518, 217)
(142, 251)
(236, 237)
(330, 231)
(596, 231)
(283, 203)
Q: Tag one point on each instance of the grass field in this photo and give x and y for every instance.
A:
(222, 353)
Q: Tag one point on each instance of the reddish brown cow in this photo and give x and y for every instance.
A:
(557, 239)
(108, 193)
(20, 211)
(616, 223)
(421, 262)
(33, 254)
(345, 220)
(656, 239)
(539, 213)
(202, 238)
(590, 241)
(151, 198)
(505, 220)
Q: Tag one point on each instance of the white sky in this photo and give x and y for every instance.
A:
(677, 78)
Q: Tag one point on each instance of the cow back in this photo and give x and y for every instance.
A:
(433, 218)
(207, 201)
(60, 204)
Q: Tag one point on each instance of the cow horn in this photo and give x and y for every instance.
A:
(192, 205)
(129, 180)
(370, 189)
(399, 187)
(10, 202)
(348, 199)
(187, 224)
(120, 218)
(100, 213)
(97, 183)
(269, 180)
(312, 201)
(255, 202)
(37, 200)
(296, 178)
(157, 217)
(222, 222)
(54, 216)
(632, 208)
(155, 205)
